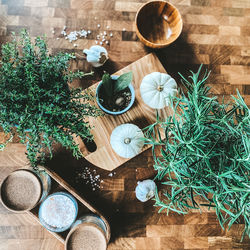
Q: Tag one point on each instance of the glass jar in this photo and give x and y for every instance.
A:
(23, 189)
(88, 232)
(58, 211)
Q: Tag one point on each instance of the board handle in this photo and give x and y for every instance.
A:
(86, 147)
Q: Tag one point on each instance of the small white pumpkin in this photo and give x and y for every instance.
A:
(145, 190)
(96, 55)
(156, 88)
(127, 140)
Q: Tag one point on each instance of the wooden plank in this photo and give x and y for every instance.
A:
(210, 36)
(140, 114)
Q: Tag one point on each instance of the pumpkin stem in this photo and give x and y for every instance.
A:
(127, 140)
(102, 58)
(150, 194)
(160, 88)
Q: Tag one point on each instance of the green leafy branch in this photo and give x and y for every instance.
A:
(112, 87)
(35, 99)
(205, 157)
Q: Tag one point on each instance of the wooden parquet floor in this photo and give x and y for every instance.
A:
(215, 33)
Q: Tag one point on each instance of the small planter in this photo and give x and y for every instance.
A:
(101, 103)
(58, 212)
(23, 189)
(88, 232)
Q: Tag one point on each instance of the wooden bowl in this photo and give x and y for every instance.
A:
(158, 24)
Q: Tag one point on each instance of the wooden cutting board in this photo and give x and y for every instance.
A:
(140, 114)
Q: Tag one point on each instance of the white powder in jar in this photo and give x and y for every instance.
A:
(58, 211)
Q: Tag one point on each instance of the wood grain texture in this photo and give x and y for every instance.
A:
(139, 114)
(215, 33)
(158, 24)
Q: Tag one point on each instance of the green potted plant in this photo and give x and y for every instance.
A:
(36, 101)
(206, 154)
(115, 94)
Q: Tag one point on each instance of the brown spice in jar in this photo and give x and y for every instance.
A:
(21, 190)
(87, 236)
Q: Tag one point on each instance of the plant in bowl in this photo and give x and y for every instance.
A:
(36, 101)
(115, 94)
(205, 157)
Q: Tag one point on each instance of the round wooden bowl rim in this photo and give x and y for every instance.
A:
(72, 230)
(156, 45)
(29, 208)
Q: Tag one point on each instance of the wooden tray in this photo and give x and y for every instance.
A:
(84, 207)
(140, 114)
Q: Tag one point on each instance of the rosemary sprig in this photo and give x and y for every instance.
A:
(36, 101)
(206, 154)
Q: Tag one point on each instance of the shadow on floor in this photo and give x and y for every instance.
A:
(127, 216)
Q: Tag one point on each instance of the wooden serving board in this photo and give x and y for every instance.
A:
(84, 207)
(140, 114)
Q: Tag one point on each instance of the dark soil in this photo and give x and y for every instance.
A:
(120, 102)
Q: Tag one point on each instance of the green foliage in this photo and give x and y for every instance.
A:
(113, 87)
(206, 154)
(36, 101)
(122, 82)
(108, 85)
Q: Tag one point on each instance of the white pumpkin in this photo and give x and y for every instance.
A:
(156, 88)
(96, 55)
(145, 190)
(127, 140)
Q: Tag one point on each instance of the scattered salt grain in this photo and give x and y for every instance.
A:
(63, 32)
(123, 29)
(82, 33)
(57, 38)
(75, 35)
(111, 34)
(110, 175)
(89, 176)
(72, 36)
